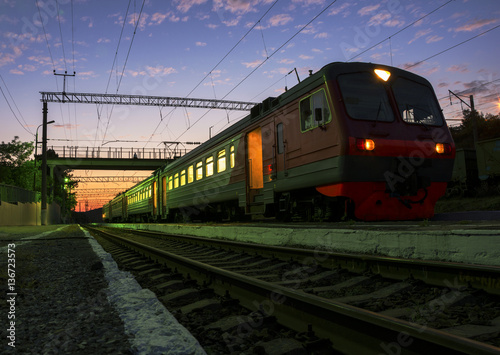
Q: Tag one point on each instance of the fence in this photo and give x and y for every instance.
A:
(14, 194)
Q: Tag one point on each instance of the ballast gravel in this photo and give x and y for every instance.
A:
(72, 299)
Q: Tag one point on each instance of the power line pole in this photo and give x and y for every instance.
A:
(472, 113)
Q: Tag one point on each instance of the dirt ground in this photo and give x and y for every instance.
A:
(463, 204)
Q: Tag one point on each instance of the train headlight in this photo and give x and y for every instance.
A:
(443, 148)
(365, 144)
(383, 74)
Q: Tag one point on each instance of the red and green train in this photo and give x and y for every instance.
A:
(362, 140)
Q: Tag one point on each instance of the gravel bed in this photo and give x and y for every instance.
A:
(71, 299)
(61, 306)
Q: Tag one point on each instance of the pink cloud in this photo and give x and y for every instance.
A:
(474, 25)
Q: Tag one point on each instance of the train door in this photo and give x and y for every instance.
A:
(154, 196)
(280, 148)
(255, 177)
(163, 196)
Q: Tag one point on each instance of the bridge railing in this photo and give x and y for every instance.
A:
(116, 152)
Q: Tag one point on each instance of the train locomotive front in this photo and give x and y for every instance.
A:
(395, 151)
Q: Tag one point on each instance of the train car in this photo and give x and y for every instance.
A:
(357, 139)
(139, 202)
(105, 212)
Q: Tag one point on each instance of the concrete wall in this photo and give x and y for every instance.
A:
(27, 214)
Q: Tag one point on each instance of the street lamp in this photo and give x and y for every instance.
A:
(36, 151)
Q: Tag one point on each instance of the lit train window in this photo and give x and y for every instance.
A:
(314, 111)
(221, 161)
(149, 192)
(190, 174)
(209, 168)
(231, 157)
(416, 103)
(170, 183)
(199, 170)
(183, 177)
(365, 97)
(176, 180)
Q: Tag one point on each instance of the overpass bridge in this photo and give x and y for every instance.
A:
(111, 158)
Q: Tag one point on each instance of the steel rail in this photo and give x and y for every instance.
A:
(438, 273)
(352, 330)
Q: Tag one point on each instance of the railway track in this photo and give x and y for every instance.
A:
(243, 294)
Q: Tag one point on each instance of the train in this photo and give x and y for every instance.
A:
(352, 140)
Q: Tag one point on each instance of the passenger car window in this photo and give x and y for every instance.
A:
(221, 161)
(190, 174)
(314, 111)
(199, 170)
(209, 166)
(231, 157)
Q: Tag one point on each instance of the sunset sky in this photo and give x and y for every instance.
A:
(224, 49)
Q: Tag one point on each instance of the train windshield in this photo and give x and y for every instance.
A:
(416, 103)
(365, 97)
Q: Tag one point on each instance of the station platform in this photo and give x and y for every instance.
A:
(465, 241)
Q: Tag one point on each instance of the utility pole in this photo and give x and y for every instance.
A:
(472, 113)
(44, 166)
(64, 81)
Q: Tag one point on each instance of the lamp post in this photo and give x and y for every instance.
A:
(36, 150)
(44, 166)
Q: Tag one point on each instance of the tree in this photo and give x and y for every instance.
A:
(15, 169)
(488, 127)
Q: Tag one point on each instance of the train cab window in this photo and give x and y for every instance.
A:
(314, 111)
(416, 103)
(199, 170)
(183, 177)
(190, 174)
(209, 166)
(365, 97)
(221, 161)
(231, 157)
(280, 138)
(176, 180)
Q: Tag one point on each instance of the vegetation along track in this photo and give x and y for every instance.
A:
(358, 304)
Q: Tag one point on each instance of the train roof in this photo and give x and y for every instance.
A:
(328, 72)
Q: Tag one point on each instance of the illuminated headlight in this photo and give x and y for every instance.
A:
(383, 74)
(443, 148)
(365, 144)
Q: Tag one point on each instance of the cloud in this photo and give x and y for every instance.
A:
(321, 35)
(185, 5)
(305, 57)
(458, 68)
(103, 40)
(16, 71)
(280, 20)
(157, 18)
(200, 44)
(339, 9)
(419, 34)
(474, 25)
(253, 64)
(432, 39)
(89, 19)
(367, 10)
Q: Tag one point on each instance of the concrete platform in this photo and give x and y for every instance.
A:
(469, 242)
